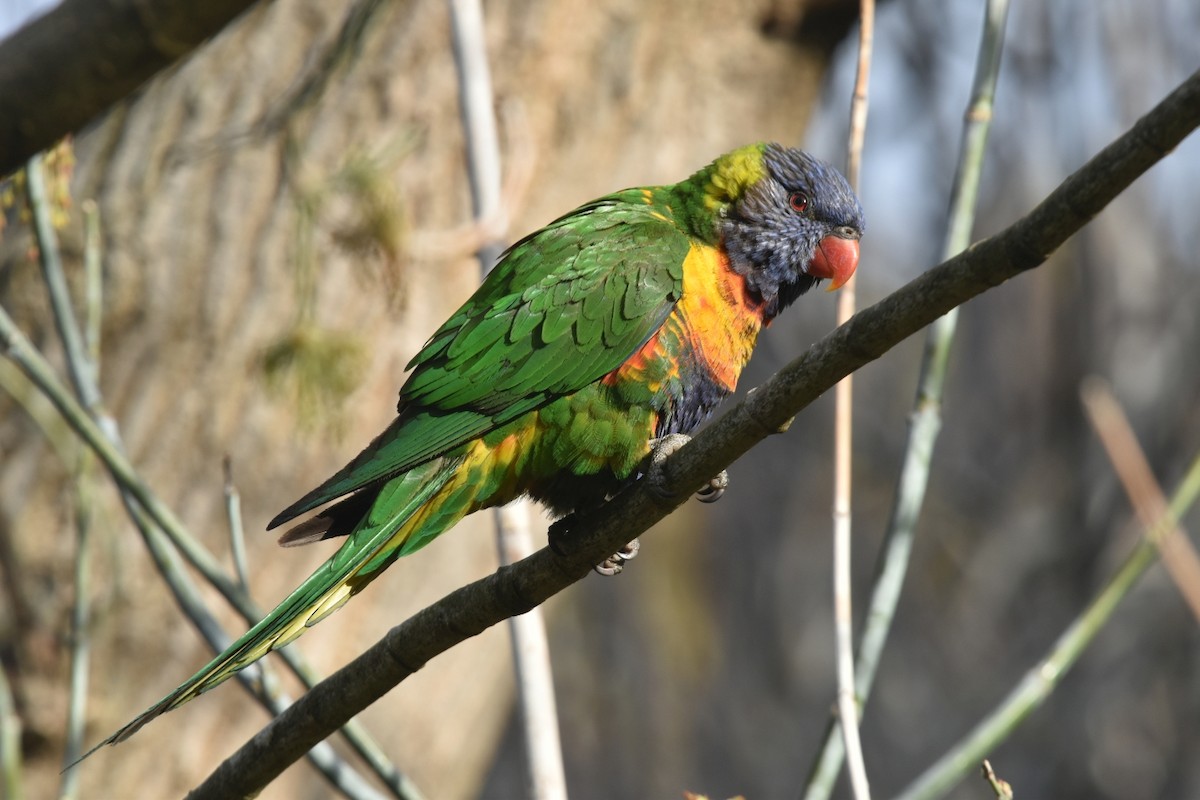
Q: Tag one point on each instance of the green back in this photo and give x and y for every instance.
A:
(564, 306)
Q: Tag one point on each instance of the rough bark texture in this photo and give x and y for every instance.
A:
(227, 239)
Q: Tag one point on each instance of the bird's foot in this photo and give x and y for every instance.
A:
(663, 447)
(714, 490)
(616, 562)
(560, 532)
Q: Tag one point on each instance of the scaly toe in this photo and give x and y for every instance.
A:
(616, 562)
(660, 449)
(715, 489)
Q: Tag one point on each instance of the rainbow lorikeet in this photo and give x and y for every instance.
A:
(626, 320)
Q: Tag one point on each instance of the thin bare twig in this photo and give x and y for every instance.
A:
(1128, 459)
(1000, 786)
(475, 101)
(237, 532)
(531, 659)
(843, 617)
(93, 282)
(79, 366)
(925, 420)
(80, 641)
(514, 540)
(83, 376)
(10, 743)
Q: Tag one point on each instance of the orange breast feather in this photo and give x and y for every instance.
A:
(721, 320)
(716, 319)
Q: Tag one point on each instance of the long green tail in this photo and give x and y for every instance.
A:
(402, 519)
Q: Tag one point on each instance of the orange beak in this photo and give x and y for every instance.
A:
(835, 260)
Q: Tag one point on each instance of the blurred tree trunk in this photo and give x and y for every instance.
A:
(68, 65)
(267, 274)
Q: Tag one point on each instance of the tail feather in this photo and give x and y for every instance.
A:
(402, 509)
(337, 520)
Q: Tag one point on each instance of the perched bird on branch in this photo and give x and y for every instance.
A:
(620, 324)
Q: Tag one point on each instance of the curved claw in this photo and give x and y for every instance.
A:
(715, 489)
(616, 562)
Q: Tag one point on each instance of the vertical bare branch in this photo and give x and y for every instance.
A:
(79, 366)
(847, 704)
(514, 540)
(535, 678)
(479, 124)
(80, 642)
(10, 743)
(237, 532)
(925, 420)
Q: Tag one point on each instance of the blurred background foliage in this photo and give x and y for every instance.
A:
(270, 266)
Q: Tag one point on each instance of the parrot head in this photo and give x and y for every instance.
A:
(788, 221)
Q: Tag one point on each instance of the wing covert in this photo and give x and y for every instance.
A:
(565, 306)
(609, 277)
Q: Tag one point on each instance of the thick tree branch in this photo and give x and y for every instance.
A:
(515, 589)
(63, 69)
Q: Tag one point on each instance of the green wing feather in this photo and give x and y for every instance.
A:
(565, 306)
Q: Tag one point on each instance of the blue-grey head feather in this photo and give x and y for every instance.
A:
(772, 244)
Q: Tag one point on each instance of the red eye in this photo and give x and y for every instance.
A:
(799, 202)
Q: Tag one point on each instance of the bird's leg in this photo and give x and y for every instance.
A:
(660, 449)
(655, 473)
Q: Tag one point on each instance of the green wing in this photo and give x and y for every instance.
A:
(564, 306)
